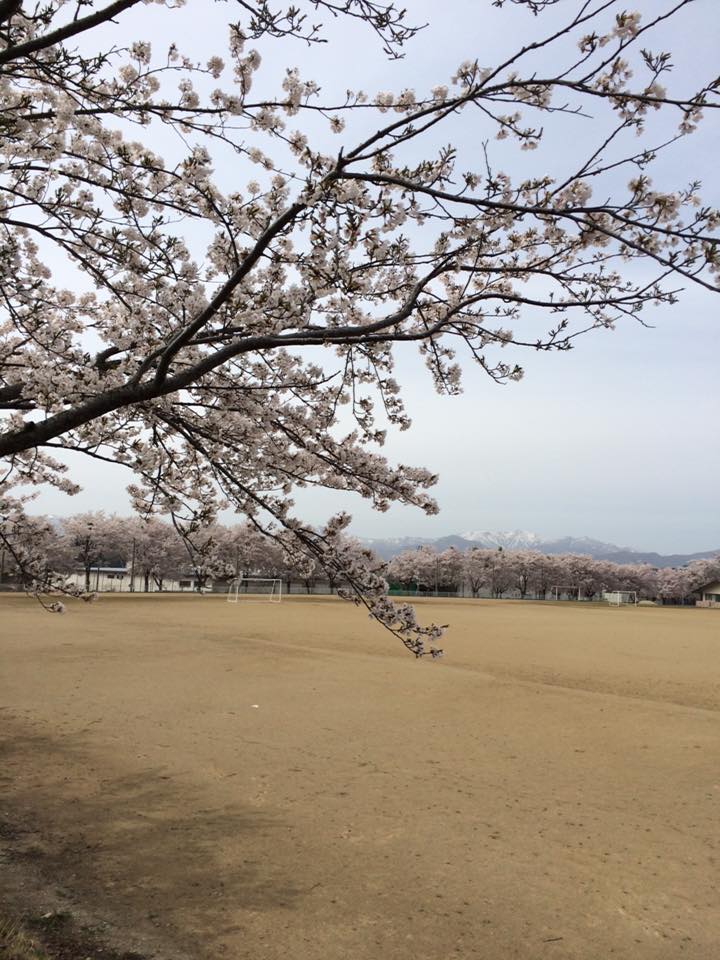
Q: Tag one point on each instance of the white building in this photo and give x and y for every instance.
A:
(710, 595)
(117, 580)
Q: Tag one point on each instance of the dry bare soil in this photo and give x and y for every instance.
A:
(196, 779)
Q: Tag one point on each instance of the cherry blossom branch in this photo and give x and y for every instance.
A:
(72, 29)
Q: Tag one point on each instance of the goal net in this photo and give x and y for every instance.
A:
(258, 589)
(565, 592)
(617, 598)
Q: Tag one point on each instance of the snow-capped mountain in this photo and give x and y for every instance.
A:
(508, 540)
(524, 540)
(390, 546)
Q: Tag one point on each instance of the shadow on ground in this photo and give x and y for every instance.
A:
(118, 847)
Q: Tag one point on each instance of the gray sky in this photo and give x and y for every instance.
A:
(616, 439)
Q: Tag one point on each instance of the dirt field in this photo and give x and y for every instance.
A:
(197, 779)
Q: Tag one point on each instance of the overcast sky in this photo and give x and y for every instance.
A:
(617, 439)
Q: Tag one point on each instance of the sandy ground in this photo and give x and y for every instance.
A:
(263, 781)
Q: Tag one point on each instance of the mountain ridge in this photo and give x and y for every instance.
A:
(386, 548)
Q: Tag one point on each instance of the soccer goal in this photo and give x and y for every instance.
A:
(569, 591)
(257, 589)
(617, 598)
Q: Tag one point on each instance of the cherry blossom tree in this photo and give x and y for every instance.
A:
(640, 577)
(207, 553)
(590, 576)
(678, 584)
(450, 570)
(206, 335)
(500, 572)
(674, 584)
(92, 539)
(488, 568)
(32, 553)
(474, 569)
(702, 572)
(334, 575)
(243, 548)
(524, 564)
(311, 573)
(401, 570)
(545, 574)
(415, 569)
(154, 551)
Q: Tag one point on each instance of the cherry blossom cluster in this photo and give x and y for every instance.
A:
(529, 573)
(230, 344)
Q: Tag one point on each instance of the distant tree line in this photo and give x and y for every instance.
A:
(156, 551)
(528, 573)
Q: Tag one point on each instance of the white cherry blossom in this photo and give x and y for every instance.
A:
(155, 317)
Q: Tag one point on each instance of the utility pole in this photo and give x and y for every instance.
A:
(86, 558)
(132, 569)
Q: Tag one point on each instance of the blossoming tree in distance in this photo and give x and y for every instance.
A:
(203, 261)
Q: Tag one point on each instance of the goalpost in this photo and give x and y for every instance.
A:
(571, 591)
(617, 598)
(255, 589)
